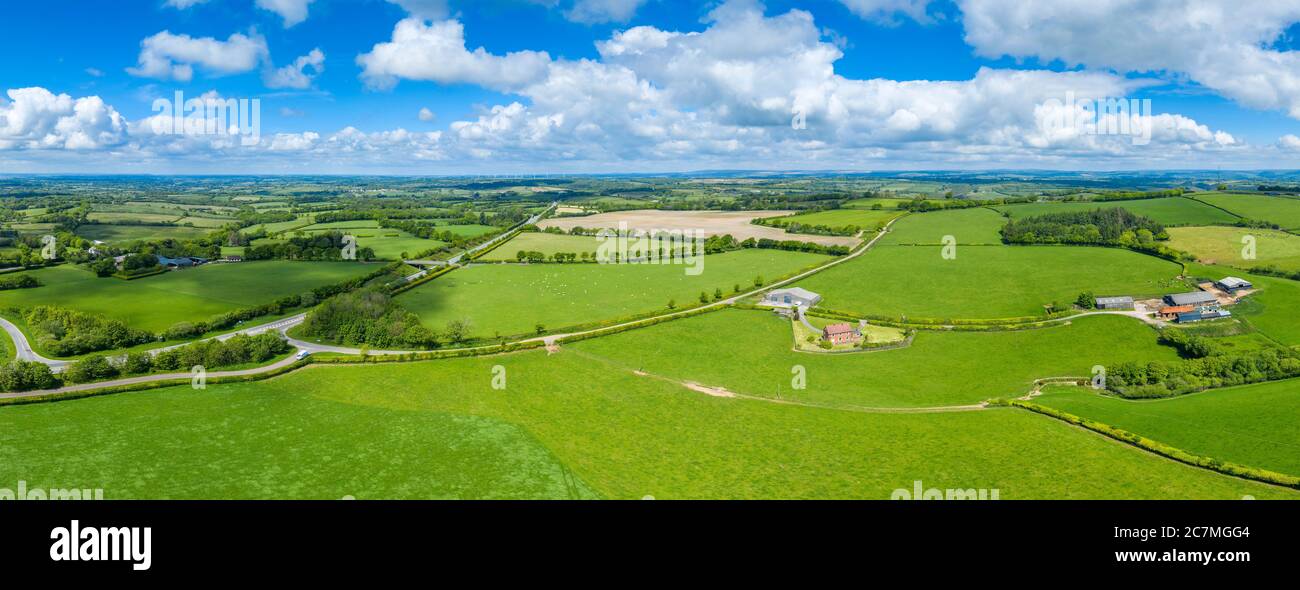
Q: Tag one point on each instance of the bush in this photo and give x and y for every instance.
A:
(20, 281)
(65, 332)
(90, 370)
(138, 363)
(17, 375)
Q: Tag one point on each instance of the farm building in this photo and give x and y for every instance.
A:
(1171, 312)
(1114, 303)
(1203, 313)
(182, 262)
(793, 297)
(1195, 298)
(1234, 284)
(844, 333)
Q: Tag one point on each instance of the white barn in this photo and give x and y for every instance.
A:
(793, 297)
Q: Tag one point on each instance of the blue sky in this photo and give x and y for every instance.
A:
(885, 84)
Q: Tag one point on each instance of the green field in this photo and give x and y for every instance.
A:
(885, 203)
(157, 302)
(867, 219)
(1253, 425)
(1223, 245)
(1283, 211)
(967, 226)
(469, 231)
(116, 216)
(545, 243)
(939, 369)
(205, 222)
(562, 428)
(131, 233)
(513, 299)
(1172, 211)
(986, 281)
(388, 244)
(339, 225)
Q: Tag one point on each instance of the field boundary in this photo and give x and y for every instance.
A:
(1156, 447)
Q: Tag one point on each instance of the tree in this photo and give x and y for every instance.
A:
(1086, 300)
(717, 294)
(758, 281)
(457, 330)
(672, 304)
(17, 375)
(704, 297)
(138, 363)
(90, 369)
(103, 267)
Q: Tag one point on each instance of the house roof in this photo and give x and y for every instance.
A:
(1193, 298)
(1234, 283)
(1107, 300)
(796, 292)
(835, 329)
(1178, 309)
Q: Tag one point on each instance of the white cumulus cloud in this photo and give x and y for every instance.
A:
(436, 52)
(292, 11)
(1225, 45)
(169, 56)
(298, 74)
(35, 118)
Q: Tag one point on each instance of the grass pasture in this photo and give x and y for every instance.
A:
(1251, 425)
(968, 226)
(117, 216)
(1170, 211)
(157, 302)
(513, 299)
(130, 233)
(469, 231)
(388, 244)
(545, 243)
(563, 428)
(866, 219)
(938, 369)
(1223, 245)
(985, 282)
(708, 223)
(1284, 211)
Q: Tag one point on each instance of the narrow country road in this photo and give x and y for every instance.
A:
(23, 349)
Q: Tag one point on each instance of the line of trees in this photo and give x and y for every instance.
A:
(1114, 227)
(322, 246)
(210, 354)
(1164, 379)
